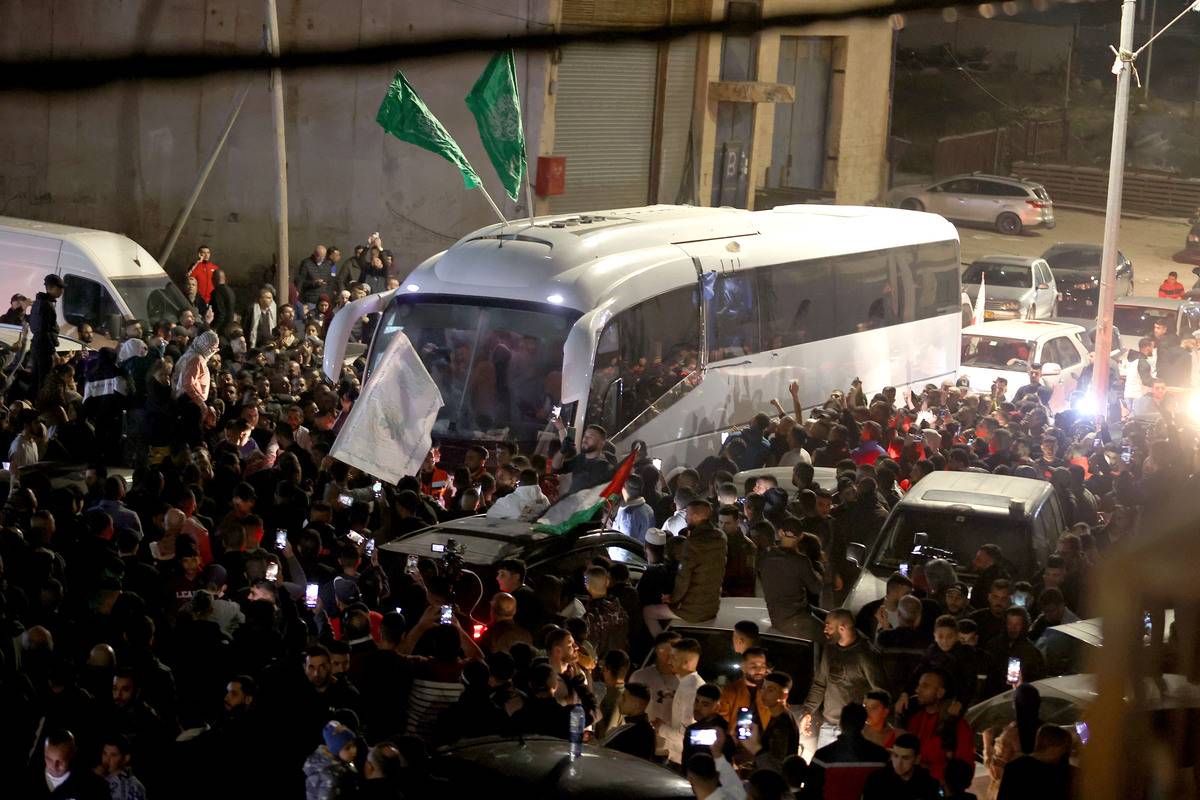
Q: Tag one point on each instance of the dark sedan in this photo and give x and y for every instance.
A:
(1076, 269)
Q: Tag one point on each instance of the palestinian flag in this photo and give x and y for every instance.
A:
(579, 507)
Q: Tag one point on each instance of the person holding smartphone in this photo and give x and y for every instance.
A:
(1013, 643)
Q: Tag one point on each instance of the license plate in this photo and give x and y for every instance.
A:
(989, 315)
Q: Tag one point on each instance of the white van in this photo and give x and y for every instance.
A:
(108, 277)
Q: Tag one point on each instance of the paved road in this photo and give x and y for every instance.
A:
(1148, 243)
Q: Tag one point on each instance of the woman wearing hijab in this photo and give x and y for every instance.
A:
(191, 386)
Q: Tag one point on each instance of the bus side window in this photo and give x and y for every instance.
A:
(733, 313)
(649, 348)
(795, 303)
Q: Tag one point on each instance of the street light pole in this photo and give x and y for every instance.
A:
(1112, 212)
(281, 193)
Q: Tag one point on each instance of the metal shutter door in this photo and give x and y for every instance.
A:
(603, 121)
(677, 119)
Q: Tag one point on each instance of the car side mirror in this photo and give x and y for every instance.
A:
(1051, 369)
(856, 553)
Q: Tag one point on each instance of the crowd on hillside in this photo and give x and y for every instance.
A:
(227, 620)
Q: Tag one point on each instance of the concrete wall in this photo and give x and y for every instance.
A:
(124, 157)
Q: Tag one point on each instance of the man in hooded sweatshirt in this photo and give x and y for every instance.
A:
(43, 329)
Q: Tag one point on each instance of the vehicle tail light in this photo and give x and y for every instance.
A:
(478, 630)
(1038, 203)
(1194, 237)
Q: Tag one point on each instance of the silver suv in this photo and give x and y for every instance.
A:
(1009, 204)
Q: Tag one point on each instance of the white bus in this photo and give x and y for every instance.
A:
(671, 324)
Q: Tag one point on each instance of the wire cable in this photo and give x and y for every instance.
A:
(86, 72)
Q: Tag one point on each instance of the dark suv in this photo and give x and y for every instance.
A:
(1076, 270)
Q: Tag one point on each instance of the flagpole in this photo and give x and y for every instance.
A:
(492, 203)
(528, 190)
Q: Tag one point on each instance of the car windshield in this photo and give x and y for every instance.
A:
(995, 352)
(1139, 320)
(958, 534)
(152, 298)
(1018, 276)
(1074, 260)
(498, 366)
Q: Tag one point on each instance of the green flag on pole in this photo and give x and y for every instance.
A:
(497, 108)
(403, 115)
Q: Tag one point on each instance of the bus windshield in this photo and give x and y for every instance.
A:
(151, 299)
(498, 364)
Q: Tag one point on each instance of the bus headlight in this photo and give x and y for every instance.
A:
(1193, 406)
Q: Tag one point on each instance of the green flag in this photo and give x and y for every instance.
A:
(497, 108)
(403, 115)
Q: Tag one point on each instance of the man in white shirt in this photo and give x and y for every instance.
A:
(685, 658)
(713, 777)
(661, 680)
(675, 523)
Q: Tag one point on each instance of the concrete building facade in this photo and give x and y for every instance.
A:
(125, 157)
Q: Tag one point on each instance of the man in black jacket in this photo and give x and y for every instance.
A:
(222, 303)
(592, 465)
(635, 735)
(316, 276)
(988, 565)
(43, 329)
(850, 667)
(903, 778)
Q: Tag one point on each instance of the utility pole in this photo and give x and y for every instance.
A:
(281, 198)
(1150, 49)
(1112, 211)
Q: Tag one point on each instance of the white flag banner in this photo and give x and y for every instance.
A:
(388, 431)
(977, 317)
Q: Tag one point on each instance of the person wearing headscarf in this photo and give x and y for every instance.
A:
(191, 386)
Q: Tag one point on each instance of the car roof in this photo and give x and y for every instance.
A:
(1147, 301)
(1174, 691)
(541, 764)
(1023, 328)
(1020, 261)
(1087, 248)
(825, 477)
(734, 610)
(1091, 631)
(982, 491)
(990, 177)
(11, 334)
(490, 540)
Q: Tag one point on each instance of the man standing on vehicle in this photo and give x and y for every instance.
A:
(316, 273)
(16, 311)
(203, 271)
(1139, 374)
(850, 667)
(592, 465)
(43, 329)
(1035, 389)
(788, 577)
(222, 303)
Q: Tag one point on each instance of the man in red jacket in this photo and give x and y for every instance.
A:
(942, 736)
(1171, 287)
(203, 271)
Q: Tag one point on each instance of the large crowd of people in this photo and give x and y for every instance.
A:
(227, 621)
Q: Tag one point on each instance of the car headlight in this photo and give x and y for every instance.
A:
(1193, 406)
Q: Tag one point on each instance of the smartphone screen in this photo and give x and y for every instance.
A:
(904, 569)
(272, 571)
(438, 548)
(346, 500)
(705, 737)
(310, 595)
(370, 548)
(377, 487)
(411, 566)
(1081, 728)
(281, 539)
(1014, 671)
(447, 615)
(1127, 454)
(1021, 599)
(745, 719)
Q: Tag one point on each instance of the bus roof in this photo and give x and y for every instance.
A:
(576, 260)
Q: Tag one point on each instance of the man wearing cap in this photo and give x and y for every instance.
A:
(634, 517)
(16, 312)
(43, 329)
(1035, 389)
